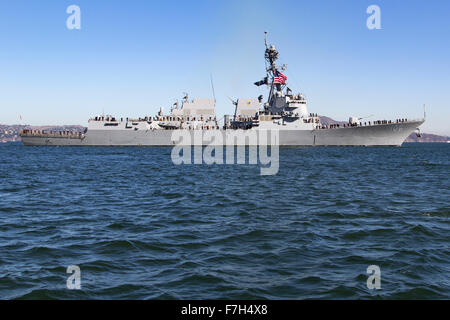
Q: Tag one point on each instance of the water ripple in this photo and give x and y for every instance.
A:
(140, 227)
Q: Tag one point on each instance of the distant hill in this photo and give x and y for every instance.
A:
(10, 133)
(427, 137)
(327, 121)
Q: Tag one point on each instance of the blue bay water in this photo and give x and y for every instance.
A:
(141, 227)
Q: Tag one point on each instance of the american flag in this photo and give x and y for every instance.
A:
(279, 78)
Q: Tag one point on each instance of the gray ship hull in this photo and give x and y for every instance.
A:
(374, 135)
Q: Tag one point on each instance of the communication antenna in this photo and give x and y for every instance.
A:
(232, 101)
(366, 117)
(265, 38)
(235, 104)
(424, 112)
(212, 87)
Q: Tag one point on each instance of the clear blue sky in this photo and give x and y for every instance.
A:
(131, 57)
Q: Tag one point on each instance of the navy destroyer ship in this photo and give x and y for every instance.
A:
(283, 112)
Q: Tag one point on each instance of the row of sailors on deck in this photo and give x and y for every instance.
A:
(337, 125)
(103, 118)
(360, 124)
(159, 118)
(52, 133)
(389, 121)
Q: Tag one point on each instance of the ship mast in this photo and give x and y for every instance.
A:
(271, 56)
